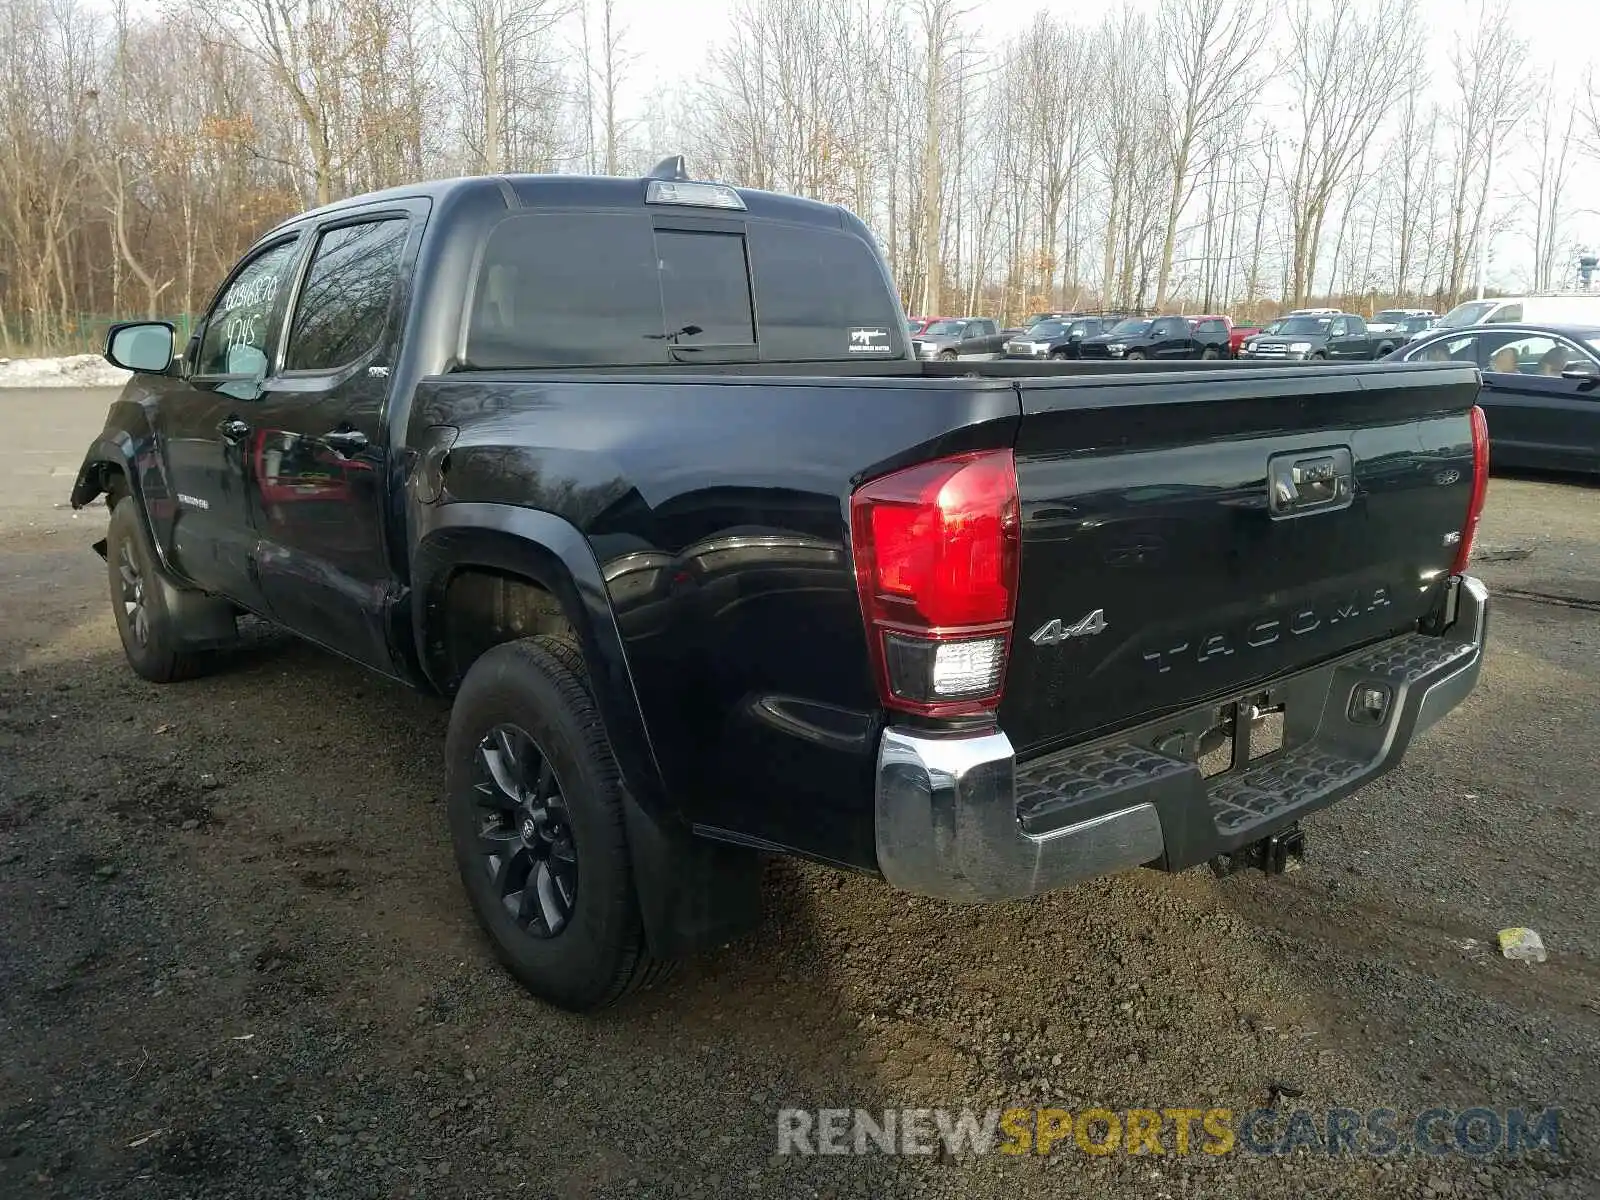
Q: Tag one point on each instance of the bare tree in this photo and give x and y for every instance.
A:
(1558, 116)
(1347, 67)
(1125, 162)
(1206, 47)
(511, 90)
(940, 25)
(1489, 92)
(602, 87)
(119, 139)
(1133, 178)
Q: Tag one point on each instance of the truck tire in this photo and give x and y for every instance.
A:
(1058, 356)
(535, 808)
(1209, 353)
(948, 355)
(1135, 355)
(1318, 356)
(151, 637)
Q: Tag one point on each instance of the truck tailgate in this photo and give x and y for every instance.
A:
(1185, 537)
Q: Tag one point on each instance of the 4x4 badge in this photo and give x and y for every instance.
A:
(1055, 631)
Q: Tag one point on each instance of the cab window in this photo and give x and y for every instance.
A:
(348, 291)
(242, 329)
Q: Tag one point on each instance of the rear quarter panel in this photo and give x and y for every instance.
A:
(718, 512)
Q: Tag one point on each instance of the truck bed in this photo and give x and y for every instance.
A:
(717, 506)
(920, 369)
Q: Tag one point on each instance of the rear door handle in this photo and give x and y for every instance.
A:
(233, 429)
(346, 441)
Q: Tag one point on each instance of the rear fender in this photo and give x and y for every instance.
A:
(693, 893)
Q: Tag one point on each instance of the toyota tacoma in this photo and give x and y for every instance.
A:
(642, 475)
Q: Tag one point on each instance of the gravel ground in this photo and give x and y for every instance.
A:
(235, 961)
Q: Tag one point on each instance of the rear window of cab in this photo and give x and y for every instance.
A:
(589, 289)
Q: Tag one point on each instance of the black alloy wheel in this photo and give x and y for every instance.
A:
(134, 610)
(526, 840)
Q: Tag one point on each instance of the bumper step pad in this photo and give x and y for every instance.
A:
(1053, 791)
(1250, 800)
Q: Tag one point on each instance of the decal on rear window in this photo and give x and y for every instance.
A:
(868, 340)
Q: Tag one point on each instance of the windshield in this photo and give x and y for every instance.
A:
(946, 329)
(1469, 313)
(1129, 328)
(1046, 329)
(1304, 325)
(1414, 324)
(1390, 316)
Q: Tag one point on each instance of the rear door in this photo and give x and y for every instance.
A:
(982, 340)
(1163, 519)
(1536, 416)
(319, 451)
(1171, 338)
(1347, 340)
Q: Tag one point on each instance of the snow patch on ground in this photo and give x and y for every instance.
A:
(75, 370)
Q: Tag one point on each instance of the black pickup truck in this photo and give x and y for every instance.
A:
(1315, 337)
(641, 474)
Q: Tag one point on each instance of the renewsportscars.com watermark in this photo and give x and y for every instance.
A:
(1377, 1132)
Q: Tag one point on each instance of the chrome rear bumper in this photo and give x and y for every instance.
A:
(957, 818)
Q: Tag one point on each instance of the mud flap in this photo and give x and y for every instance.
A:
(200, 621)
(694, 894)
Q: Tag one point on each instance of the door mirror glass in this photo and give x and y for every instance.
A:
(1580, 368)
(145, 347)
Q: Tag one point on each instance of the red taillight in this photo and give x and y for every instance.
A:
(1480, 489)
(936, 550)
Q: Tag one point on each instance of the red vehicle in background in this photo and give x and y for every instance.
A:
(916, 325)
(1237, 335)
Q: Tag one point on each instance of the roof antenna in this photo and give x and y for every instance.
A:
(670, 167)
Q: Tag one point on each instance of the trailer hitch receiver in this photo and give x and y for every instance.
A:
(1273, 855)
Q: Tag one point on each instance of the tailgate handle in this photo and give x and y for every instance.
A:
(1302, 483)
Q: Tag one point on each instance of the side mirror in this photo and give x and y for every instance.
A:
(142, 346)
(1580, 368)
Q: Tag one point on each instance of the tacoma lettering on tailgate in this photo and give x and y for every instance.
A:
(1266, 630)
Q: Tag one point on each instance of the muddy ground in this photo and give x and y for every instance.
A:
(235, 960)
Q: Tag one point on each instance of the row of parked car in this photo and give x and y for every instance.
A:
(1539, 356)
(1304, 334)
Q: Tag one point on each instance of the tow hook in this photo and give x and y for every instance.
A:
(1283, 851)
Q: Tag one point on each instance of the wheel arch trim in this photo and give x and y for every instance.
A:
(114, 450)
(550, 552)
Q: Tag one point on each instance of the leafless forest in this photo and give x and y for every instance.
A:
(1226, 155)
